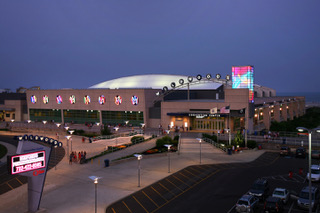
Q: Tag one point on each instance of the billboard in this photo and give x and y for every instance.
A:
(27, 162)
(242, 77)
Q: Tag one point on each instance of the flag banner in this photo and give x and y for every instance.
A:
(214, 110)
(225, 109)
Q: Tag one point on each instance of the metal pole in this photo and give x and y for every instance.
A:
(168, 161)
(310, 195)
(71, 144)
(138, 173)
(245, 137)
(200, 152)
(55, 157)
(95, 207)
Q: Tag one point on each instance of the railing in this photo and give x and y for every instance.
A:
(218, 145)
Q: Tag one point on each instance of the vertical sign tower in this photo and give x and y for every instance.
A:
(242, 77)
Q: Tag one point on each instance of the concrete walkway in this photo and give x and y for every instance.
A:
(69, 189)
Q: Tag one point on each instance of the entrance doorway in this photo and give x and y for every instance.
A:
(209, 124)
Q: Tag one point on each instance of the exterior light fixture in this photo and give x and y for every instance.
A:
(71, 132)
(173, 85)
(95, 181)
(165, 89)
(181, 81)
(228, 77)
(66, 128)
(208, 76)
(199, 77)
(218, 76)
(139, 157)
(190, 79)
(168, 146)
(29, 121)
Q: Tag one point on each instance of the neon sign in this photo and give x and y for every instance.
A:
(45, 99)
(87, 99)
(134, 100)
(118, 100)
(102, 99)
(59, 99)
(242, 77)
(72, 99)
(33, 99)
(27, 162)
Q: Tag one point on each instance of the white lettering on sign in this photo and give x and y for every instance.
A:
(27, 162)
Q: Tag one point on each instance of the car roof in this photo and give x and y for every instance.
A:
(279, 189)
(246, 197)
(315, 167)
(306, 189)
(260, 181)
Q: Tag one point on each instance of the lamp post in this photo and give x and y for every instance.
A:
(168, 146)
(67, 137)
(71, 132)
(139, 157)
(95, 181)
(302, 129)
(200, 140)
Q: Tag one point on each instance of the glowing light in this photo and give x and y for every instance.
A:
(33, 99)
(45, 99)
(72, 99)
(134, 100)
(87, 99)
(242, 77)
(59, 99)
(118, 100)
(102, 100)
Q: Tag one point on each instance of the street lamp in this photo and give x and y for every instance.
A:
(200, 140)
(66, 128)
(302, 129)
(126, 123)
(95, 181)
(68, 137)
(71, 132)
(139, 157)
(58, 125)
(168, 146)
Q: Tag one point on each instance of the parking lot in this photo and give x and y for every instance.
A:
(293, 183)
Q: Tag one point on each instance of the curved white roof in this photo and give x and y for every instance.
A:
(154, 81)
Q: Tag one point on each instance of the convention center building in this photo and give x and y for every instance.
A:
(203, 103)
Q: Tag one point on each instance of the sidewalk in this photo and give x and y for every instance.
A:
(69, 189)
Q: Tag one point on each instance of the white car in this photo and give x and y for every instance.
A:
(281, 193)
(315, 173)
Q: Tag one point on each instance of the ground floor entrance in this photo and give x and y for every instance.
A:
(210, 124)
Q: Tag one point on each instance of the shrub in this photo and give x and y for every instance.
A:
(251, 144)
(162, 141)
(212, 137)
(106, 131)
(78, 132)
(137, 139)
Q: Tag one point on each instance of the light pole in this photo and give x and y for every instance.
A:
(71, 132)
(168, 146)
(302, 129)
(68, 137)
(200, 140)
(95, 181)
(139, 157)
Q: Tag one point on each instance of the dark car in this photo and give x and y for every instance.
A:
(285, 151)
(273, 204)
(315, 154)
(300, 152)
(260, 189)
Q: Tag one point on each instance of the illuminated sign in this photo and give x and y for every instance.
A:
(59, 99)
(72, 99)
(33, 99)
(27, 162)
(242, 77)
(134, 100)
(45, 99)
(87, 99)
(102, 99)
(118, 100)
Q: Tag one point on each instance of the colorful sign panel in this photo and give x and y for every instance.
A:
(102, 99)
(118, 100)
(33, 99)
(72, 99)
(87, 99)
(242, 77)
(135, 100)
(27, 162)
(45, 99)
(59, 99)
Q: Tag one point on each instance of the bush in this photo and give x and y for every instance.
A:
(251, 144)
(78, 132)
(212, 137)
(137, 139)
(164, 140)
(106, 131)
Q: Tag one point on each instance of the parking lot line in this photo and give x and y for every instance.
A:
(125, 206)
(139, 203)
(150, 199)
(9, 186)
(166, 189)
(193, 174)
(180, 180)
(158, 193)
(114, 210)
(174, 184)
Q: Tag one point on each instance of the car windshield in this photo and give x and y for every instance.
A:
(278, 193)
(243, 202)
(258, 186)
(305, 195)
(315, 171)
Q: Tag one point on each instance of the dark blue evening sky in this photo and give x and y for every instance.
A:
(77, 43)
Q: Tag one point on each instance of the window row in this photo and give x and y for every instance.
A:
(86, 99)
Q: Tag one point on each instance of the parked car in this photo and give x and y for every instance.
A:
(273, 204)
(300, 152)
(303, 198)
(247, 203)
(315, 173)
(315, 154)
(285, 151)
(281, 193)
(260, 189)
